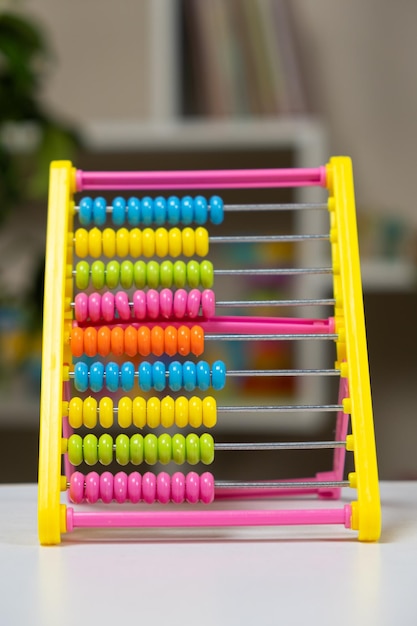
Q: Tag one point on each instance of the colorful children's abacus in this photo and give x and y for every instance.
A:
(130, 308)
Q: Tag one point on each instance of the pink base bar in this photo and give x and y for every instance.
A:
(213, 518)
(201, 179)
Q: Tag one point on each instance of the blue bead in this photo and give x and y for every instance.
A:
(127, 376)
(134, 212)
(99, 211)
(160, 210)
(218, 375)
(159, 375)
(81, 376)
(173, 210)
(86, 210)
(189, 374)
(216, 210)
(147, 211)
(175, 376)
(187, 210)
(203, 375)
(200, 209)
(145, 376)
(119, 211)
(96, 376)
(112, 376)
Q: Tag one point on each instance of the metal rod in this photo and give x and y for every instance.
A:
(268, 238)
(278, 271)
(294, 206)
(281, 408)
(261, 303)
(270, 337)
(305, 484)
(275, 445)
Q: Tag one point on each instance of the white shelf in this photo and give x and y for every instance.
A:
(386, 275)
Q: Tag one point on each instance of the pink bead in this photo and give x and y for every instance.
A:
(139, 304)
(193, 304)
(149, 487)
(134, 487)
(207, 487)
(92, 487)
(107, 306)
(163, 487)
(76, 490)
(208, 303)
(178, 487)
(94, 306)
(192, 487)
(166, 300)
(152, 303)
(122, 305)
(106, 487)
(180, 303)
(81, 307)
(120, 487)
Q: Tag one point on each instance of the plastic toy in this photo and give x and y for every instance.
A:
(130, 311)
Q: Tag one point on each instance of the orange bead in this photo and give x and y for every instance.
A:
(77, 343)
(131, 341)
(197, 340)
(117, 341)
(157, 340)
(144, 341)
(103, 341)
(171, 340)
(90, 341)
(184, 340)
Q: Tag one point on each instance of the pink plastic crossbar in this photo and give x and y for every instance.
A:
(198, 179)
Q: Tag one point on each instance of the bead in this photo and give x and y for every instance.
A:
(90, 341)
(209, 412)
(121, 302)
(163, 487)
(201, 241)
(98, 274)
(179, 274)
(107, 306)
(124, 412)
(164, 448)
(92, 487)
(126, 274)
(82, 275)
(180, 303)
(152, 303)
(218, 375)
(147, 210)
(94, 306)
(187, 210)
(90, 449)
(119, 211)
(148, 242)
(173, 210)
(174, 242)
(188, 242)
(139, 412)
(145, 376)
(122, 449)
(120, 487)
(109, 242)
(181, 411)
(105, 449)
(81, 243)
(208, 303)
(81, 376)
(139, 304)
(131, 341)
(122, 242)
(134, 487)
(197, 340)
(200, 210)
(144, 340)
(159, 375)
(81, 307)
(166, 303)
(206, 448)
(112, 376)
(203, 375)
(117, 341)
(99, 211)
(106, 487)
(149, 487)
(193, 274)
(96, 376)
(90, 412)
(189, 375)
(184, 340)
(85, 211)
(206, 274)
(77, 341)
(112, 274)
(192, 448)
(178, 487)
(106, 412)
(166, 273)
(159, 208)
(75, 412)
(127, 376)
(136, 449)
(75, 450)
(161, 242)
(94, 243)
(178, 449)
(195, 412)
(192, 487)
(76, 490)
(153, 412)
(206, 488)
(193, 303)
(134, 212)
(175, 376)
(135, 243)
(151, 449)
(216, 210)
(167, 411)
(171, 340)
(152, 275)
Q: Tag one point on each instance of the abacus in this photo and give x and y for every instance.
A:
(130, 313)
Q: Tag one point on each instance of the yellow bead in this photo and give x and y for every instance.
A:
(195, 409)
(94, 243)
(75, 412)
(161, 242)
(139, 412)
(188, 242)
(154, 412)
(174, 242)
(209, 412)
(201, 241)
(81, 243)
(106, 412)
(135, 243)
(109, 242)
(124, 414)
(90, 412)
(148, 242)
(167, 412)
(181, 412)
(122, 242)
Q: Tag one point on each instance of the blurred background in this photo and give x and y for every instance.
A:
(159, 84)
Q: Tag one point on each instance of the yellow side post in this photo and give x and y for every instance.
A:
(51, 518)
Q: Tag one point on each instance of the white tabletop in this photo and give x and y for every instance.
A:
(252, 577)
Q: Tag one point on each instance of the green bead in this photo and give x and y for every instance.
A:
(207, 448)
(151, 449)
(136, 449)
(166, 273)
(126, 274)
(90, 449)
(180, 274)
(105, 449)
(98, 276)
(112, 274)
(193, 274)
(122, 449)
(75, 450)
(178, 449)
(82, 275)
(164, 448)
(139, 274)
(192, 447)
(152, 274)
(206, 274)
